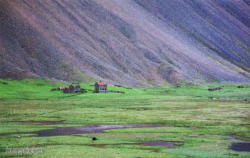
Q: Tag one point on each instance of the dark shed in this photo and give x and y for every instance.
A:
(73, 88)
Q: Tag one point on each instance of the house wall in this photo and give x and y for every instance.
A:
(100, 88)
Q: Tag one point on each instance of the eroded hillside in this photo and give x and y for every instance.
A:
(130, 42)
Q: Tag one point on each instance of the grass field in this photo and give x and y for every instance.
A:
(206, 123)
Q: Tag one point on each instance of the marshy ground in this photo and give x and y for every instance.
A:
(170, 121)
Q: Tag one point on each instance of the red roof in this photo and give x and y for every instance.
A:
(101, 83)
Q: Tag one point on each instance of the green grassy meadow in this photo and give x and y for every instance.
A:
(204, 121)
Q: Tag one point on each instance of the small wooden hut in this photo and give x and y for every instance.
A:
(100, 87)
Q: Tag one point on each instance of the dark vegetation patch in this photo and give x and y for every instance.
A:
(43, 122)
(4, 83)
(215, 89)
(140, 108)
(105, 145)
(40, 84)
(239, 139)
(164, 144)
(55, 89)
(243, 86)
(116, 85)
(240, 86)
(116, 92)
(168, 144)
(231, 154)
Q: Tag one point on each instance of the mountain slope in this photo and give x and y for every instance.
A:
(130, 42)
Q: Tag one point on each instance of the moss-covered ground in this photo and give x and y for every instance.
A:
(205, 121)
